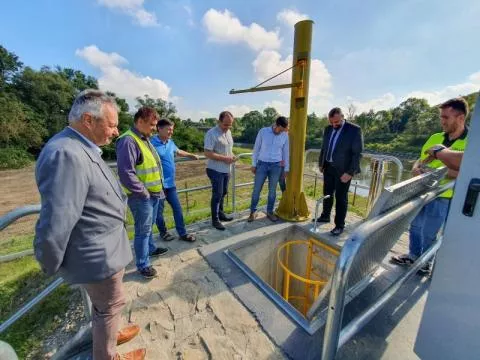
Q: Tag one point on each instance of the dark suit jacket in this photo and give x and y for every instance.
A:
(348, 151)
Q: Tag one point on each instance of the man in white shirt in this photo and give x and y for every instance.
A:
(270, 154)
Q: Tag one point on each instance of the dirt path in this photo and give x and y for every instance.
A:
(18, 188)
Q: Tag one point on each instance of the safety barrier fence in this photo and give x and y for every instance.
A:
(18, 213)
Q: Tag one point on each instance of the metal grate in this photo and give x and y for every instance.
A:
(400, 193)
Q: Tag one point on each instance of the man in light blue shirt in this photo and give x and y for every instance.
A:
(270, 155)
(167, 150)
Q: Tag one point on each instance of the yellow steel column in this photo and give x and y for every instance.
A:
(293, 205)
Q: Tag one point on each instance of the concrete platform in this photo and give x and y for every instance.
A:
(189, 312)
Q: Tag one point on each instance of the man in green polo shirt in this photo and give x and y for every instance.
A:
(425, 226)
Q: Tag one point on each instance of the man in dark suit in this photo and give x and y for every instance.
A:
(339, 161)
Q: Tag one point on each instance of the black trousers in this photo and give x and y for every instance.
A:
(219, 190)
(333, 186)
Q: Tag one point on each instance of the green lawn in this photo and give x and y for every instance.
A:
(16, 244)
(21, 280)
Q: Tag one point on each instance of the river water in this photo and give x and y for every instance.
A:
(364, 178)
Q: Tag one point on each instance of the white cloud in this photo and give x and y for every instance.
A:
(189, 11)
(133, 8)
(282, 107)
(436, 97)
(121, 81)
(238, 110)
(100, 59)
(386, 101)
(224, 27)
(290, 17)
(270, 62)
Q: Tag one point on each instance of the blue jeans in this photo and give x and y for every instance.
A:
(264, 170)
(425, 226)
(219, 190)
(171, 197)
(144, 212)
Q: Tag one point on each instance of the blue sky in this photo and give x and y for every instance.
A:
(369, 53)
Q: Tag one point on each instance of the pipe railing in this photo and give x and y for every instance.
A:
(317, 205)
(379, 166)
(18, 213)
(334, 335)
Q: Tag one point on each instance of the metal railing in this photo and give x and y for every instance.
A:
(379, 166)
(361, 244)
(18, 213)
(14, 215)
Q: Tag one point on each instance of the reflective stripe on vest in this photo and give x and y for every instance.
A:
(435, 139)
(148, 172)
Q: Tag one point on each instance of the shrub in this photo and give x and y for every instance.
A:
(13, 158)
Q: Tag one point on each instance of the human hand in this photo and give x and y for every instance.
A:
(417, 170)
(230, 159)
(285, 174)
(432, 153)
(194, 157)
(253, 169)
(345, 178)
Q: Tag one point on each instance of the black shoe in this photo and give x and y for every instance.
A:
(218, 225)
(425, 270)
(224, 217)
(159, 251)
(167, 237)
(336, 231)
(403, 260)
(148, 272)
(322, 219)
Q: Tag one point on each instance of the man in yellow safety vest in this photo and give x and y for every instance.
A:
(140, 173)
(425, 226)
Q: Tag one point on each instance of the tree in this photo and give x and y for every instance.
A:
(315, 129)
(270, 114)
(351, 112)
(47, 94)
(9, 66)
(165, 109)
(251, 122)
(77, 78)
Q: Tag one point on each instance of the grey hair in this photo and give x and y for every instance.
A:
(90, 101)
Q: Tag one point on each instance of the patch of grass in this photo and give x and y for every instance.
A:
(13, 158)
(20, 281)
(245, 160)
(16, 244)
(356, 204)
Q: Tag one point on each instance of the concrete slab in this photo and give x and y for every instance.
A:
(190, 312)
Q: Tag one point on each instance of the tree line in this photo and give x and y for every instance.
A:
(34, 105)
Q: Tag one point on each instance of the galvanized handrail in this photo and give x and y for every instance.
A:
(319, 200)
(334, 335)
(18, 213)
(234, 185)
(394, 159)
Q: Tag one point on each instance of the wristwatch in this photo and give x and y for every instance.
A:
(437, 150)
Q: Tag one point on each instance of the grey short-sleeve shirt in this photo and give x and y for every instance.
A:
(220, 143)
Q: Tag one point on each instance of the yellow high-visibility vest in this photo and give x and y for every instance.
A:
(458, 145)
(149, 172)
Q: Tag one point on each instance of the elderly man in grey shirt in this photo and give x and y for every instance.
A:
(219, 151)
